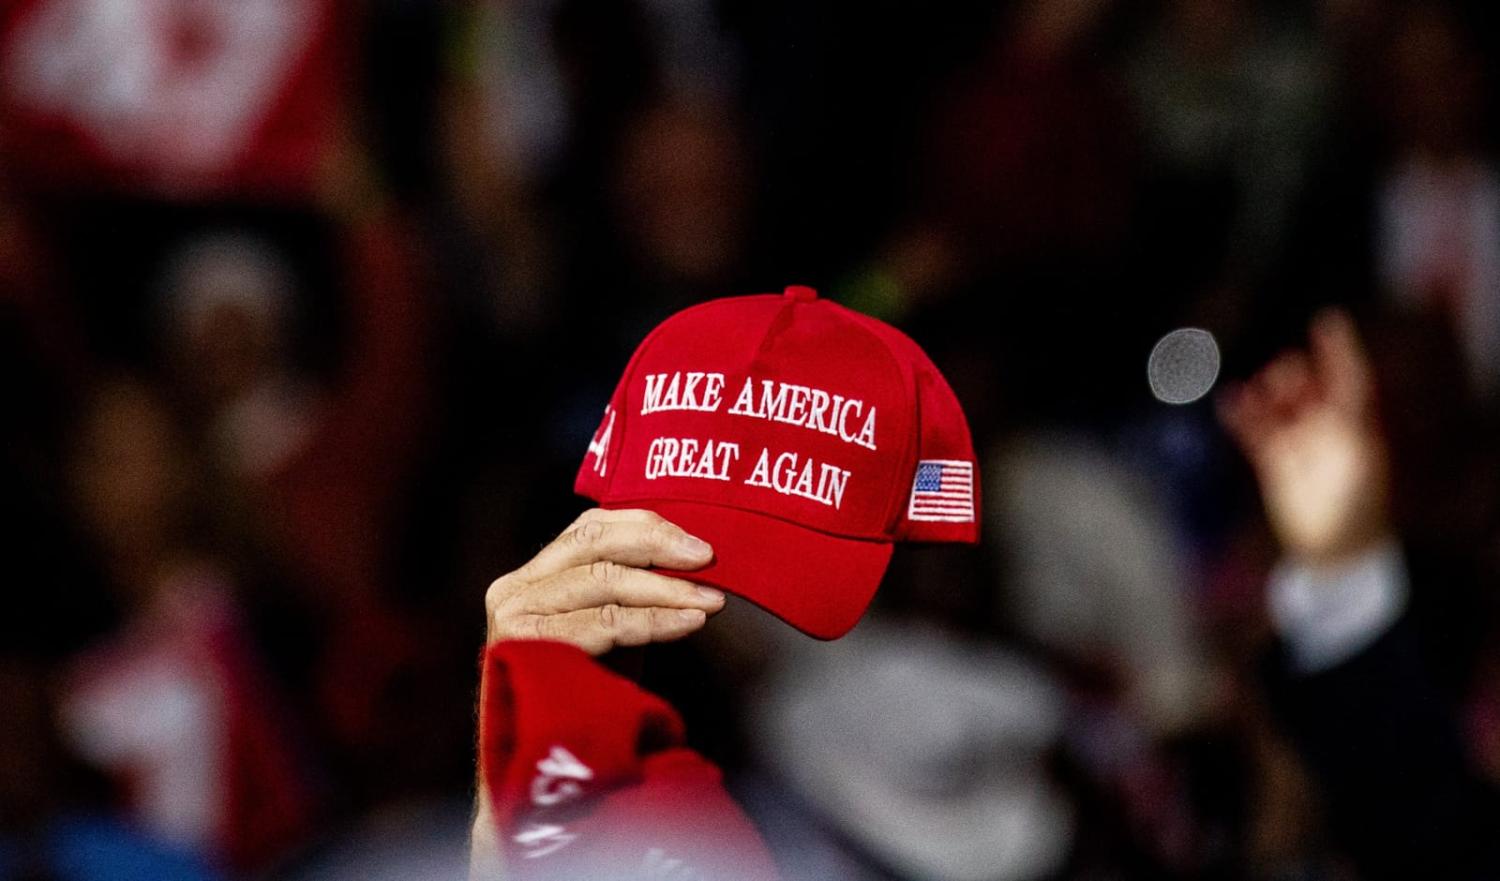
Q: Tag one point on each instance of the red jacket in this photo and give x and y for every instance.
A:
(589, 777)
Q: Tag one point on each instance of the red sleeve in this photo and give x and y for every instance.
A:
(589, 777)
(333, 498)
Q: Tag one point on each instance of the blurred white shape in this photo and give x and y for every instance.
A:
(522, 84)
(1093, 568)
(925, 749)
(1183, 366)
(158, 723)
(152, 707)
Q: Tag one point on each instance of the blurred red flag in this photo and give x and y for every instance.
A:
(177, 98)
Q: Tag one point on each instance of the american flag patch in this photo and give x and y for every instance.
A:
(943, 492)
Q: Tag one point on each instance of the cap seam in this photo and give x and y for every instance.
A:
(918, 361)
(621, 415)
(896, 492)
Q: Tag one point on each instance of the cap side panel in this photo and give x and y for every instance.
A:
(594, 480)
(893, 341)
(942, 439)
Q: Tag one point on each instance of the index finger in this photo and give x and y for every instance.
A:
(1340, 359)
(640, 541)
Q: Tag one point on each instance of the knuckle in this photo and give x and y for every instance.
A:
(496, 594)
(504, 627)
(536, 627)
(588, 516)
(605, 572)
(610, 615)
(588, 533)
(661, 534)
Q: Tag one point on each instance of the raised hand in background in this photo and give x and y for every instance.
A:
(1308, 423)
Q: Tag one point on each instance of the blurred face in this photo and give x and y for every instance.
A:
(128, 471)
(226, 351)
(228, 299)
(681, 192)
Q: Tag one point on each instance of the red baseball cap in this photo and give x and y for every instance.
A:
(801, 439)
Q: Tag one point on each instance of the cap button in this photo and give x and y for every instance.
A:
(800, 293)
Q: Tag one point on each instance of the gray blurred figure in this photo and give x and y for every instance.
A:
(924, 750)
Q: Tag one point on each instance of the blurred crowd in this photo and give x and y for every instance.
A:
(308, 309)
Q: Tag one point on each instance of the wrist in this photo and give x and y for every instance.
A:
(485, 860)
(1332, 557)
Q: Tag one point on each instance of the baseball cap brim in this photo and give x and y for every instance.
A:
(818, 583)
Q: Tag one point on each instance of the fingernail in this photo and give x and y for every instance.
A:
(692, 615)
(694, 546)
(711, 595)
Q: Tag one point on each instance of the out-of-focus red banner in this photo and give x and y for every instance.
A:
(179, 98)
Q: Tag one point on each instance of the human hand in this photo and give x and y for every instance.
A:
(590, 587)
(1307, 423)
